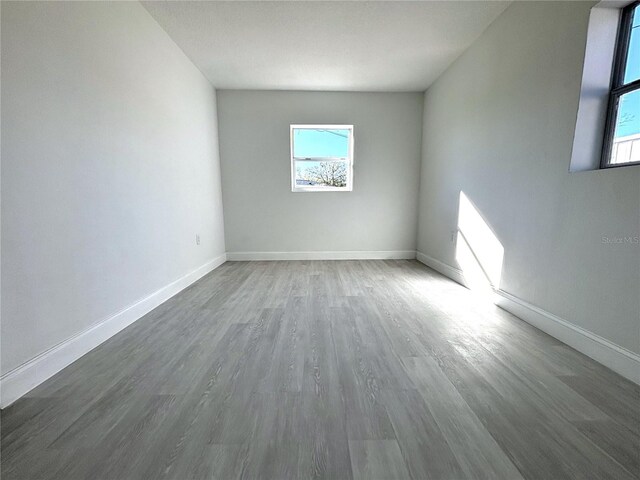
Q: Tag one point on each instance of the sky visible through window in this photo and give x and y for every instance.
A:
(632, 71)
(628, 121)
(315, 143)
(321, 157)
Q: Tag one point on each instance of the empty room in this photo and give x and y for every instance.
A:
(320, 239)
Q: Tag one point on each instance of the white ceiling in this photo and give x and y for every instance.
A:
(332, 45)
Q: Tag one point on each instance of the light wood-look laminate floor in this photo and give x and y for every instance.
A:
(327, 369)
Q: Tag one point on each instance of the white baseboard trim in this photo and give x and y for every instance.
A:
(341, 255)
(615, 357)
(453, 273)
(19, 381)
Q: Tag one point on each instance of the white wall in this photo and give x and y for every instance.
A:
(110, 167)
(261, 212)
(499, 125)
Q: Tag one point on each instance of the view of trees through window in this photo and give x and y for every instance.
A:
(321, 157)
(329, 174)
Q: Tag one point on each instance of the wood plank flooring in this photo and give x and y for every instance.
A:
(327, 369)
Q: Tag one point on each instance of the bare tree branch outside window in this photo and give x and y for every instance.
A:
(330, 174)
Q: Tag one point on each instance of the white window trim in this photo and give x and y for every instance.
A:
(295, 188)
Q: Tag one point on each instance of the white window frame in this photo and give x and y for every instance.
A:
(349, 160)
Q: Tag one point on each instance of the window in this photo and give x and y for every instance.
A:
(622, 132)
(321, 158)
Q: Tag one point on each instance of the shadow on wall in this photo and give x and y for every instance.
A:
(479, 253)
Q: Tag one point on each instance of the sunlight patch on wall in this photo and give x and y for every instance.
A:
(479, 253)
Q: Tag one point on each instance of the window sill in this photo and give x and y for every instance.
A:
(321, 189)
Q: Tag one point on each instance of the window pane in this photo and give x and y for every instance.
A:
(321, 174)
(310, 143)
(626, 138)
(632, 70)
